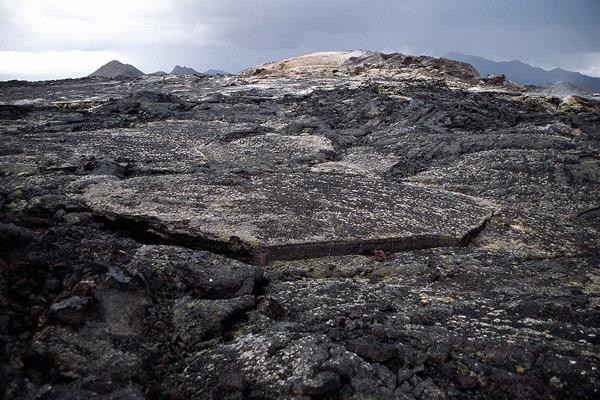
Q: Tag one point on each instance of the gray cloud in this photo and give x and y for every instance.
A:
(231, 35)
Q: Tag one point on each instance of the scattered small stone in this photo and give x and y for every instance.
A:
(371, 349)
(404, 374)
(199, 320)
(270, 307)
(75, 218)
(379, 255)
(84, 288)
(494, 80)
(319, 384)
(71, 310)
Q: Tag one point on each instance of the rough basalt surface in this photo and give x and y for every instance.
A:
(289, 216)
(343, 225)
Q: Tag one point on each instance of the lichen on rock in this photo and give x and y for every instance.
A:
(339, 225)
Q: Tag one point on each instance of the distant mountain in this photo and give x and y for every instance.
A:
(518, 71)
(116, 69)
(215, 72)
(179, 70)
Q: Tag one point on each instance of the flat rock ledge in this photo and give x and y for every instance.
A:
(307, 215)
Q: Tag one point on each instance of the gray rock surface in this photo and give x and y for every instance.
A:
(339, 225)
(307, 215)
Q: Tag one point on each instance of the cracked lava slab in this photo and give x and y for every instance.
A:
(291, 215)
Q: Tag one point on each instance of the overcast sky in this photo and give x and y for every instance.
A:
(44, 39)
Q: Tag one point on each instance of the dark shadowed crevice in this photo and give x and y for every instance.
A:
(473, 233)
(143, 232)
(590, 214)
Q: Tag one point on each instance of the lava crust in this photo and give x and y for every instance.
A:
(341, 225)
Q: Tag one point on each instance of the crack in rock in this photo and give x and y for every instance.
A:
(310, 215)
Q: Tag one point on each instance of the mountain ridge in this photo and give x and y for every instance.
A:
(521, 72)
(212, 71)
(183, 70)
